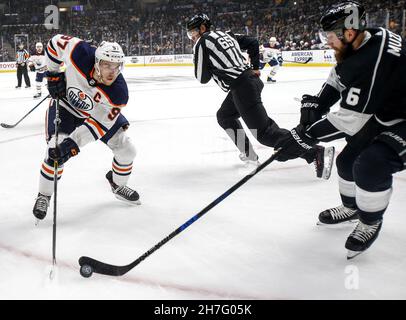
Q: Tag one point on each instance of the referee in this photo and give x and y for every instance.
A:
(218, 55)
(22, 56)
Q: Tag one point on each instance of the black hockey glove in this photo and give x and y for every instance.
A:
(64, 151)
(32, 68)
(310, 110)
(56, 84)
(294, 144)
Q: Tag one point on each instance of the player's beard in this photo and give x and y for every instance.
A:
(344, 52)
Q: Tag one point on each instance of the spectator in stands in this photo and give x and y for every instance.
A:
(144, 30)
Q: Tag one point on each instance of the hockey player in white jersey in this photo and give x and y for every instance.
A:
(271, 54)
(37, 64)
(91, 93)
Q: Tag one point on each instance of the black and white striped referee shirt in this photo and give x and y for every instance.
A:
(218, 55)
(22, 56)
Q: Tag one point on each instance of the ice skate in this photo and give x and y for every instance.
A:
(250, 160)
(270, 80)
(41, 207)
(123, 193)
(337, 215)
(37, 95)
(362, 238)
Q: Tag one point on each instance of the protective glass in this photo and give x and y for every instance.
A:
(116, 67)
(192, 33)
(327, 37)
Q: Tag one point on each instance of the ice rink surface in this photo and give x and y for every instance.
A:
(262, 242)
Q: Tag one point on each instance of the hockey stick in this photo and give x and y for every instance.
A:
(90, 265)
(299, 62)
(9, 126)
(57, 121)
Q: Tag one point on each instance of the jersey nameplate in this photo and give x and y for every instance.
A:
(395, 44)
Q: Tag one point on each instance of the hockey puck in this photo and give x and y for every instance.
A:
(86, 271)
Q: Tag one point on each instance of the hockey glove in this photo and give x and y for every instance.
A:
(310, 110)
(294, 144)
(56, 84)
(257, 73)
(64, 151)
(32, 68)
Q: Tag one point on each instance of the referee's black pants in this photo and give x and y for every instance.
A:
(244, 100)
(22, 70)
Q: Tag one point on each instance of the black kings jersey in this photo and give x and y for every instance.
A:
(371, 82)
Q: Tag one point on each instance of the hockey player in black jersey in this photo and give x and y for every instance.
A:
(369, 83)
(218, 56)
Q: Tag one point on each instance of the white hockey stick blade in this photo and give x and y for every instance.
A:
(329, 153)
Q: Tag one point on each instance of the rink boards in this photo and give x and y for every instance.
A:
(319, 58)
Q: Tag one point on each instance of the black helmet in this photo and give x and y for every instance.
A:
(335, 17)
(197, 20)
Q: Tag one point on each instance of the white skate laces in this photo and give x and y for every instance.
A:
(40, 207)
(42, 203)
(364, 232)
(337, 215)
(341, 212)
(124, 191)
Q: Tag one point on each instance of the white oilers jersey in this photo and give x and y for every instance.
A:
(39, 62)
(268, 54)
(99, 104)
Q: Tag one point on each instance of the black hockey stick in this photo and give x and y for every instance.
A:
(299, 62)
(56, 165)
(90, 265)
(9, 126)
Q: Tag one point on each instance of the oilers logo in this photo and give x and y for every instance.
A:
(80, 100)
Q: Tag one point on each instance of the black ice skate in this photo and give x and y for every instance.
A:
(249, 160)
(123, 193)
(37, 95)
(362, 238)
(41, 206)
(337, 215)
(270, 80)
(324, 161)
